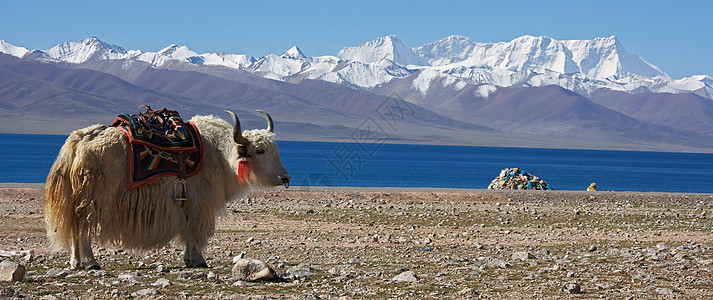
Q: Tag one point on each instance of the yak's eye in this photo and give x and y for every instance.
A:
(259, 151)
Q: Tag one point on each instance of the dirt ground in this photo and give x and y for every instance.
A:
(356, 244)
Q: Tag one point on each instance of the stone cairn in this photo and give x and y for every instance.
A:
(517, 179)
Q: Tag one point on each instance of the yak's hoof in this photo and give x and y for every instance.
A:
(198, 265)
(93, 267)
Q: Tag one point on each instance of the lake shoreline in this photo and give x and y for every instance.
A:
(402, 189)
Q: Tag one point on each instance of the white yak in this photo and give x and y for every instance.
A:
(86, 195)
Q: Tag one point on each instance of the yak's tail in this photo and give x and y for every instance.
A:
(64, 192)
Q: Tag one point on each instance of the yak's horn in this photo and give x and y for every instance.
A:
(270, 124)
(237, 132)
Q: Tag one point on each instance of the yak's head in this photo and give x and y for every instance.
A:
(259, 160)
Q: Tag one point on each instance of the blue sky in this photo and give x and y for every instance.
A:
(676, 36)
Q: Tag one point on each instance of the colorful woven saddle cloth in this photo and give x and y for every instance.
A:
(155, 136)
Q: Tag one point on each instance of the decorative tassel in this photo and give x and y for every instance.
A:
(243, 170)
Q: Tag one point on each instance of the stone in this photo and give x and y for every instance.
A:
(301, 270)
(543, 252)
(523, 255)
(146, 292)
(98, 273)
(239, 257)
(252, 270)
(161, 282)
(11, 271)
(161, 268)
(662, 246)
(408, 276)
(342, 270)
(132, 277)
(118, 293)
(212, 276)
(664, 291)
(7, 292)
(307, 297)
(572, 288)
(188, 275)
(467, 291)
(490, 262)
(57, 273)
(592, 248)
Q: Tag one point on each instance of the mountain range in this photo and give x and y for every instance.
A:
(529, 92)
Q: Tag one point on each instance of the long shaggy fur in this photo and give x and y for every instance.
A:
(86, 195)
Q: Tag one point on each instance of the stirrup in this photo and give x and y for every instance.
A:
(179, 194)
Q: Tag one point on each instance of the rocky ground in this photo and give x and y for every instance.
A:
(404, 245)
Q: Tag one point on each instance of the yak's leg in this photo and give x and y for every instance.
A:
(193, 257)
(74, 255)
(87, 255)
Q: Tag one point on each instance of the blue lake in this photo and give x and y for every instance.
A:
(27, 159)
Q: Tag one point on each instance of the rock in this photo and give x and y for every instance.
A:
(523, 255)
(117, 293)
(572, 288)
(252, 270)
(307, 297)
(132, 277)
(161, 282)
(407, 276)
(161, 268)
(467, 291)
(343, 270)
(543, 252)
(532, 277)
(7, 292)
(662, 246)
(57, 273)
(98, 273)
(239, 257)
(188, 275)
(301, 270)
(11, 271)
(664, 291)
(592, 248)
(146, 292)
(490, 262)
(212, 276)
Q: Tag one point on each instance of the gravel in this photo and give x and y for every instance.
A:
(377, 244)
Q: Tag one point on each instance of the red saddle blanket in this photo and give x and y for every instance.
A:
(154, 137)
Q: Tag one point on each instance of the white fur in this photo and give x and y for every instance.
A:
(86, 195)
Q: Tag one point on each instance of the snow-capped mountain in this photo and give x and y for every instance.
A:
(385, 48)
(582, 66)
(13, 50)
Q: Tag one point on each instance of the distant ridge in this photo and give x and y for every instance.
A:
(529, 92)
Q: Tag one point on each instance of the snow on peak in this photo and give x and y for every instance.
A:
(177, 52)
(446, 51)
(582, 66)
(294, 53)
(13, 50)
(82, 51)
(388, 47)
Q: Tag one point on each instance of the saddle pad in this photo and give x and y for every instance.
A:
(151, 148)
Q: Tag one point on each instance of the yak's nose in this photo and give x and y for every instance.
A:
(284, 179)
